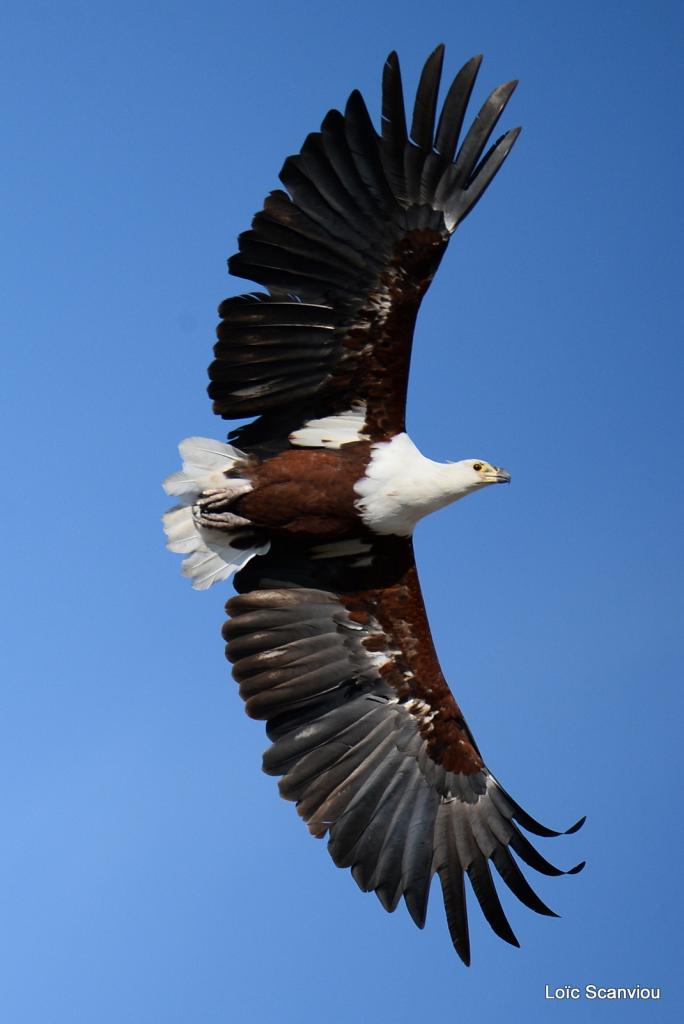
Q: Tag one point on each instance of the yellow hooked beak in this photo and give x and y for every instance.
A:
(496, 475)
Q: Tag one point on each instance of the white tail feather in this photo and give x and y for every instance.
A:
(212, 556)
(180, 529)
(215, 559)
(204, 463)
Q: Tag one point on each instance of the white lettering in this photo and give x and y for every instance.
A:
(566, 992)
(638, 992)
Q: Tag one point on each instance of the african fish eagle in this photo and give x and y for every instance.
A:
(314, 503)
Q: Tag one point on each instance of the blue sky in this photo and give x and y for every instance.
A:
(150, 872)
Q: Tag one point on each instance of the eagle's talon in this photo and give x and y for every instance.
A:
(217, 520)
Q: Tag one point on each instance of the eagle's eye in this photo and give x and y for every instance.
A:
(477, 466)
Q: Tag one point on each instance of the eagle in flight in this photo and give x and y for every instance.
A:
(313, 504)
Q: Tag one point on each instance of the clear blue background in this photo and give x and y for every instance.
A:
(149, 872)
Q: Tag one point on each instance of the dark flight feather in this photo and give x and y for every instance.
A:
(453, 111)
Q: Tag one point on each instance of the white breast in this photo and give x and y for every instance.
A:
(400, 486)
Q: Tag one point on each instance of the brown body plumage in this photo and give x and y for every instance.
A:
(307, 492)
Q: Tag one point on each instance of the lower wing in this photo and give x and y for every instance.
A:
(330, 646)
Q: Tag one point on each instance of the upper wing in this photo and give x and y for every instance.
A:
(331, 646)
(347, 256)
